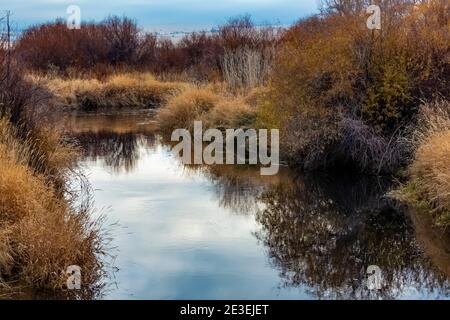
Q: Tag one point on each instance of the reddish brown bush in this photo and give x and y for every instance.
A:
(98, 49)
(115, 41)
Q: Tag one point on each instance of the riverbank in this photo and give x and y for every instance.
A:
(42, 230)
(124, 90)
(428, 187)
(46, 224)
(179, 104)
(422, 146)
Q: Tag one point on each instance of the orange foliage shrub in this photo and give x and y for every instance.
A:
(331, 68)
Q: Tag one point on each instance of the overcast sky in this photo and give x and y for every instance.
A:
(163, 15)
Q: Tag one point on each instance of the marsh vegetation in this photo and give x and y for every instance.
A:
(364, 102)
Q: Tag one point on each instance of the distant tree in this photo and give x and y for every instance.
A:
(122, 35)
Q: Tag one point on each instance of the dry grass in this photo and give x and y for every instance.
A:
(429, 185)
(41, 233)
(65, 90)
(234, 113)
(191, 105)
(204, 104)
(125, 90)
(43, 150)
(431, 173)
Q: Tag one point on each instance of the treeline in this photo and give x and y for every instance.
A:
(118, 42)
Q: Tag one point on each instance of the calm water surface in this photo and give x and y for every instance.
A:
(223, 232)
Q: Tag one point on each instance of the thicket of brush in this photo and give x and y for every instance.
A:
(109, 64)
(99, 49)
(42, 229)
(344, 94)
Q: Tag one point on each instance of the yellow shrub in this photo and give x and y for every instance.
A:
(40, 233)
(182, 110)
(429, 186)
(230, 113)
(431, 173)
(331, 68)
(214, 109)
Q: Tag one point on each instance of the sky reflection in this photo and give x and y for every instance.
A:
(174, 241)
(225, 232)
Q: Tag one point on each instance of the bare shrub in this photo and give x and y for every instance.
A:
(307, 137)
(202, 53)
(122, 36)
(114, 41)
(246, 68)
(348, 7)
(248, 52)
(330, 140)
(369, 151)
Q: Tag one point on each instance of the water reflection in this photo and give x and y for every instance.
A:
(319, 234)
(324, 234)
(115, 139)
(119, 151)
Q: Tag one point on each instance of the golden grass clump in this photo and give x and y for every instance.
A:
(50, 155)
(41, 234)
(429, 185)
(204, 104)
(125, 90)
(65, 90)
(431, 173)
(42, 150)
(234, 113)
(181, 111)
(135, 90)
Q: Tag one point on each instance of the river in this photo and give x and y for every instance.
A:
(224, 232)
